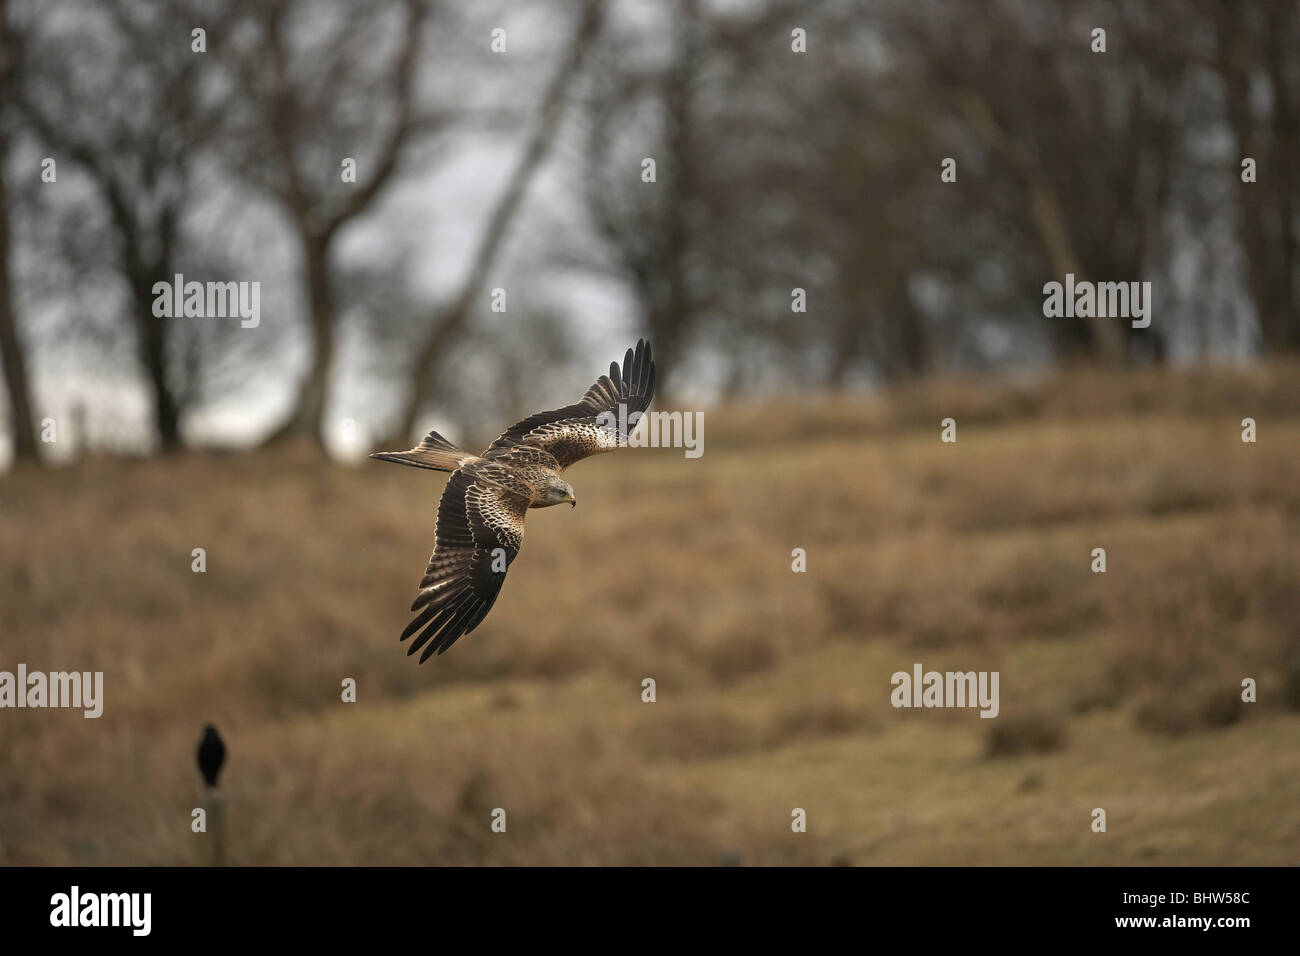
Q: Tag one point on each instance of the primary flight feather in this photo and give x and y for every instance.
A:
(480, 525)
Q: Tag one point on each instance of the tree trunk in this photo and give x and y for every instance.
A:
(11, 350)
(166, 412)
(15, 367)
(1286, 142)
(151, 338)
(308, 417)
(1267, 278)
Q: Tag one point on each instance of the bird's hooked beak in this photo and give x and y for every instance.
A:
(573, 501)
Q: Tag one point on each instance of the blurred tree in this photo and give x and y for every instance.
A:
(315, 86)
(781, 228)
(1251, 54)
(1094, 212)
(448, 322)
(11, 348)
(136, 147)
(642, 108)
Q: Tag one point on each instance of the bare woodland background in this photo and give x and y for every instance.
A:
(521, 171)
(776, 170)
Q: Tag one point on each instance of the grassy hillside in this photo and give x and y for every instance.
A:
(1118, 690)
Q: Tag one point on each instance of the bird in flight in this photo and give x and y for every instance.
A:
(480, 525)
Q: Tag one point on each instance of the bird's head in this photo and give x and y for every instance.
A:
(556, 492)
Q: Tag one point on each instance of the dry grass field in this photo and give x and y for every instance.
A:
(1118, 690)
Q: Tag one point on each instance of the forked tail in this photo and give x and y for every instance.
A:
(435, 453)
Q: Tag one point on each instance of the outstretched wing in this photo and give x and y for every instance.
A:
(479, 531)
(600, 422)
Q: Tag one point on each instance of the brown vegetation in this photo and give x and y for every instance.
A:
(773, 687)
